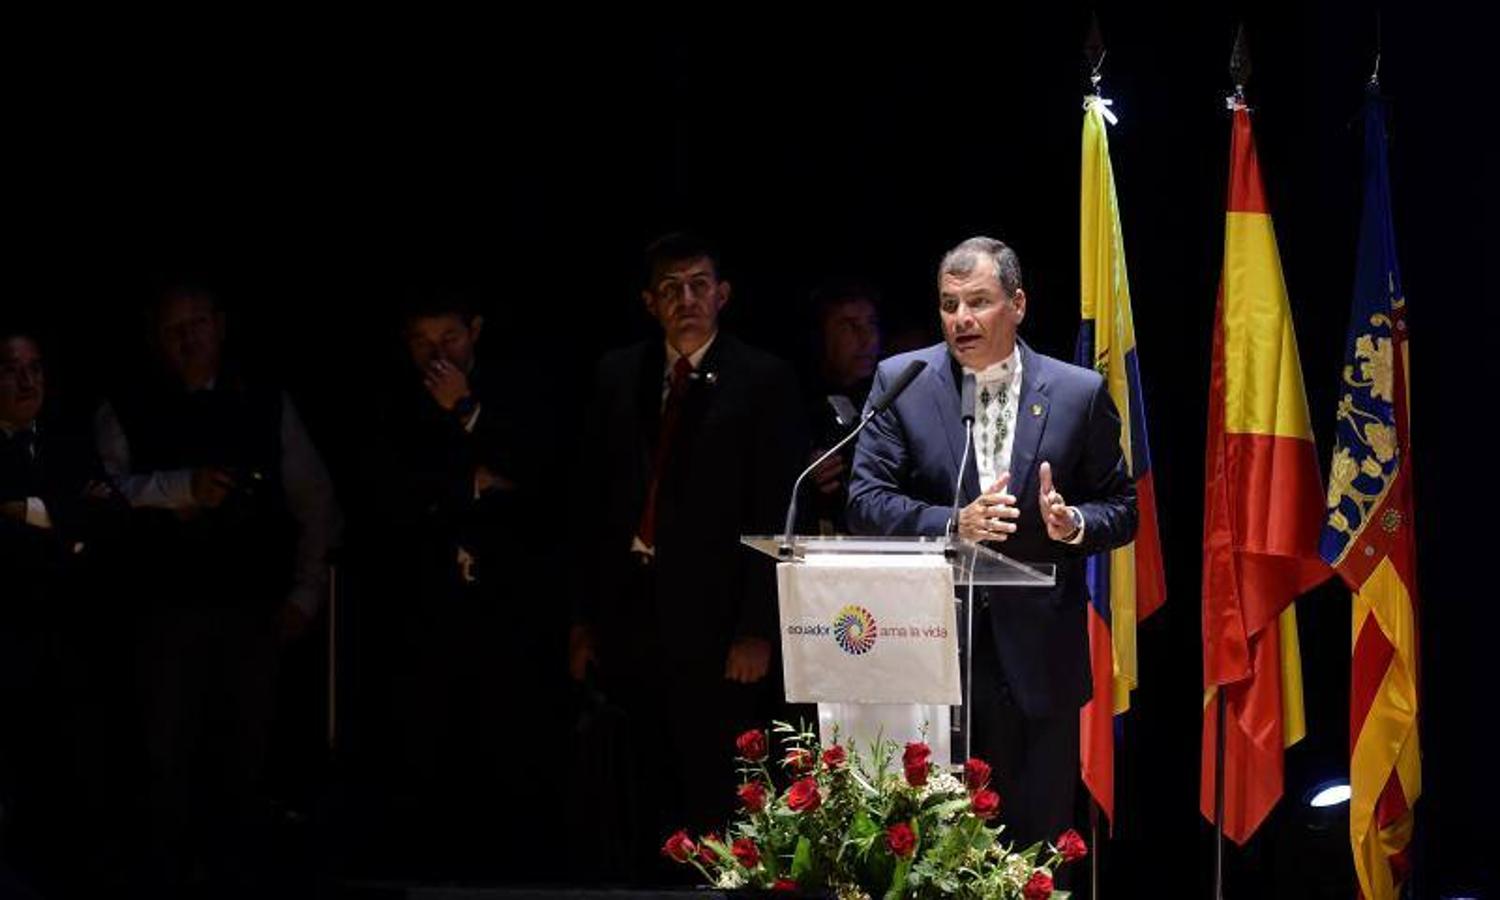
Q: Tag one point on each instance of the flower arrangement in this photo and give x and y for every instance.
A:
(865, 827)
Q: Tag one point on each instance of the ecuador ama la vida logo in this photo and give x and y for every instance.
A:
(854, 630)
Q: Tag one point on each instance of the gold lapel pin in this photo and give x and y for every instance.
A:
(1036, 410)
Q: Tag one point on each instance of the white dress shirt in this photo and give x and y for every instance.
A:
(997, 394)
(997, 397)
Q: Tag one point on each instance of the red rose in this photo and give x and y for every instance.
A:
(802, 796)
(751, 745)
(1039, 887)
(753, 796)
(746, 852)
(835, 756)
(914, 760)
(901, 839)
(976, 775)
(706, 854)
(799, 760)
(986, 804)
(1070, 844)
(784, 884)
(679, 847)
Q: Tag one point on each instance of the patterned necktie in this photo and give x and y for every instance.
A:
(994, 429)
(671, 414)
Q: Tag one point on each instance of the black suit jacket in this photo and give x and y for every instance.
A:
(902, 483)
(58, 472)
(739, 444)
(420, 474)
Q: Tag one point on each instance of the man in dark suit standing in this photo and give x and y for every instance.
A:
(847, 318)
(1046, 447)
(56, 511)
(691, 440)
(449, 479)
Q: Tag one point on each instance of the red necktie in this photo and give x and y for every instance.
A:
(671, 414)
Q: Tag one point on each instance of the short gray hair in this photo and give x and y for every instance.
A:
(964, 259)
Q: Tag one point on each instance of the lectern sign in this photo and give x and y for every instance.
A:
(869, 629)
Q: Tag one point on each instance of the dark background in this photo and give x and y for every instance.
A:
(312, 170)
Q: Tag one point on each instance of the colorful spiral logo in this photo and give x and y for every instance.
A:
(854, 630)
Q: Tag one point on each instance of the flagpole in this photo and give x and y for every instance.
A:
(1094, 53)
(1219, 793)
(1094, 842)
(333, 657)
(1239, 71)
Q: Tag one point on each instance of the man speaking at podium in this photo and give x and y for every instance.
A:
(1046, 448)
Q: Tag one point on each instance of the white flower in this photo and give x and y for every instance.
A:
(730, 879)
(941, 782)
(1016, 872)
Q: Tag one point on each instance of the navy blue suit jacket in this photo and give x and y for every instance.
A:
(902, 484)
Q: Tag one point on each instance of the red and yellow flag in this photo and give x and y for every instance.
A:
(1262, 511)
(1369, 539)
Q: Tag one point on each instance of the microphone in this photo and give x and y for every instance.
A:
(881, 404)
(902, 382)
(966, 412)
(966, 400)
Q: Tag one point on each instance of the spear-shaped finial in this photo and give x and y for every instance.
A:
(1239, 63)
(1094, 51)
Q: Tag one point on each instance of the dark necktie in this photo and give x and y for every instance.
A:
(19, 447)
(671, 415)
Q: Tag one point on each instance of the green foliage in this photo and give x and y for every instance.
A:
(844, 844)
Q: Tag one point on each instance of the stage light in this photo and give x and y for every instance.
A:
(1330, 793)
